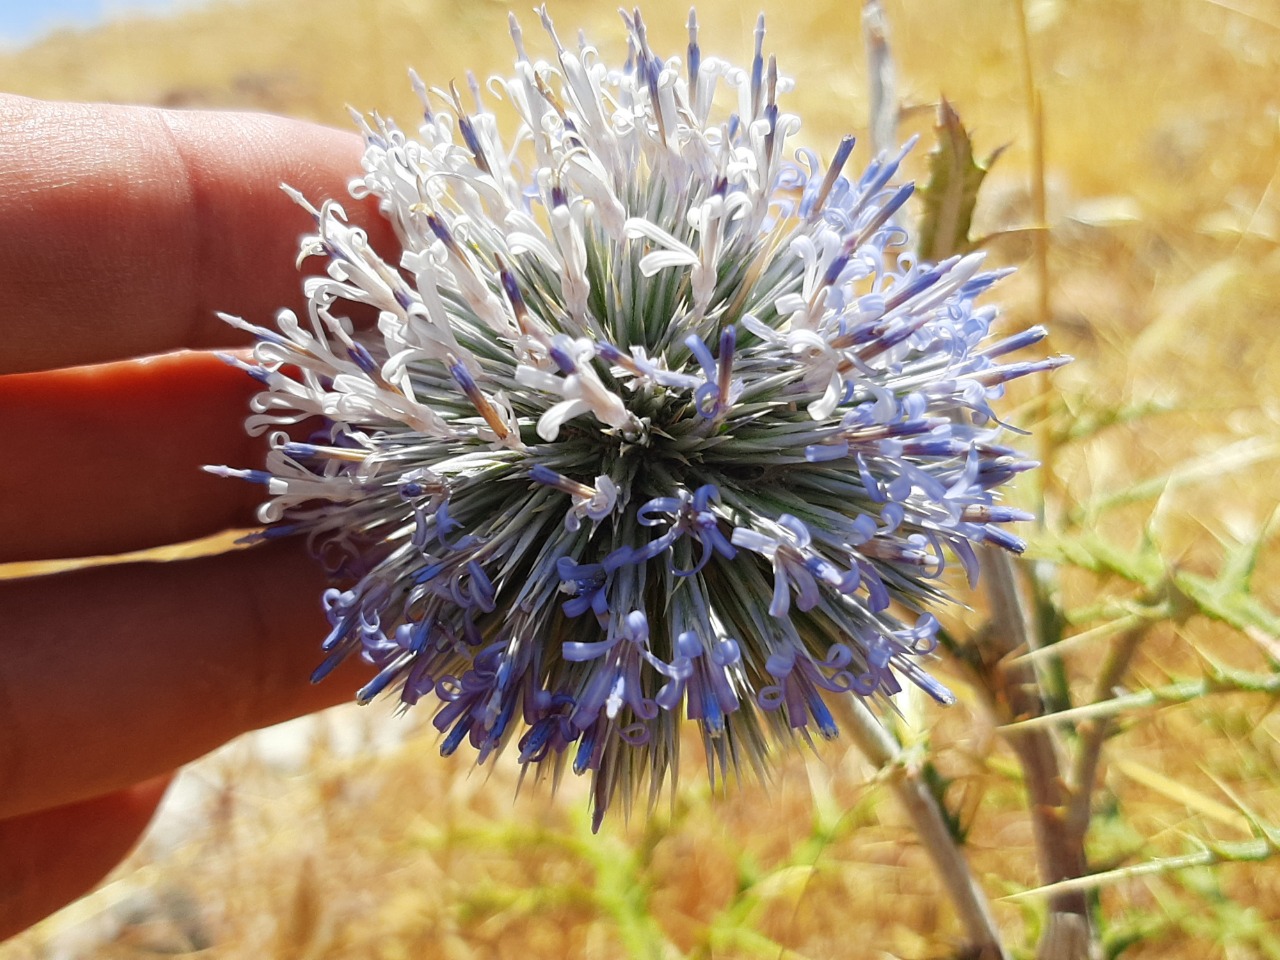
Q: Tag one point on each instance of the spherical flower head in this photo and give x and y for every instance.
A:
(657, 420)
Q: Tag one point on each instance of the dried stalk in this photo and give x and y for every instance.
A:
(1093, 732)
(881, 76)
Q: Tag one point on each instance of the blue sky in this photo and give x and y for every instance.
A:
(23, 21)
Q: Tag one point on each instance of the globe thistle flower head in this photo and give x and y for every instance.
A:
(658, 420)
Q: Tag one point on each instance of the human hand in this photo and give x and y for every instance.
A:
(122, 230)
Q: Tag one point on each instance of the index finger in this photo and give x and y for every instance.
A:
(124, 229)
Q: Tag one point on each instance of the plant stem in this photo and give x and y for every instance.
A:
(930, 823)
(1014, 691)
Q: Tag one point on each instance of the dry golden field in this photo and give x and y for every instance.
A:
(1158, 268)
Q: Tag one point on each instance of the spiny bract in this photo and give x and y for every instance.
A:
(655, 420)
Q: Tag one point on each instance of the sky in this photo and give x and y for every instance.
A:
(25, 21)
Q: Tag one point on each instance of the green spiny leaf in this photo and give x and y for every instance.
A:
(951, 192)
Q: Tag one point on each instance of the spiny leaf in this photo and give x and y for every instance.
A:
(1242, 560)
(1210, 466)
(1244, 851)
(1088, 550)
(1226, 603)
(952, 190)
(1183, 691)
(1083, 424)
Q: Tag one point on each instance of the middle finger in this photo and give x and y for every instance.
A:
(110, 456)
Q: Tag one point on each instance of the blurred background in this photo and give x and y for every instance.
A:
(22, 24)
(1158, 268)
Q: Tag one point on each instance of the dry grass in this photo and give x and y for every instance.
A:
(1162, 143)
